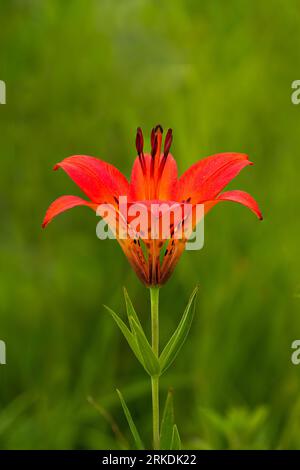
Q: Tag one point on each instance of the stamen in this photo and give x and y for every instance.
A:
(156, 138)
(139, 143)
(152, 138)
(157, 131)
(154, 146)
(168, 142)
(167, 146)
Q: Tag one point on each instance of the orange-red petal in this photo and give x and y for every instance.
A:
(63, 204)
(205, 179)
(168, 182)
(100, 181)
(242, 198)
(140, 182)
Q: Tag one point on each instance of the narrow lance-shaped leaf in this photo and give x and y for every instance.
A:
(176, 442)
(130, 308)
(167, 423)
(127, 334)
(150, 361)
(138, 442)
(131, 313)
(179, 336)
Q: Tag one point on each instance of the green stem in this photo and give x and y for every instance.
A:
(154, 297)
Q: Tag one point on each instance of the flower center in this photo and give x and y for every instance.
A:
(153, 173)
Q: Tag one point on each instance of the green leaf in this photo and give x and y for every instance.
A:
(127, 334)
(131, 313)
(176, 442)
(167, 423)
(179, 336)
(151, 362)
(130, 308)
(138, 442)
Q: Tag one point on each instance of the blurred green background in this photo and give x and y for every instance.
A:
(81, 76)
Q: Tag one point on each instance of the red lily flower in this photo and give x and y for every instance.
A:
(153, 178)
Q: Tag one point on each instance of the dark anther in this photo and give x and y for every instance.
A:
(152, 137)
(154, 146)
(159, 128)
(168, 142)
(116, 200)
(167, 145)
(139, 141)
